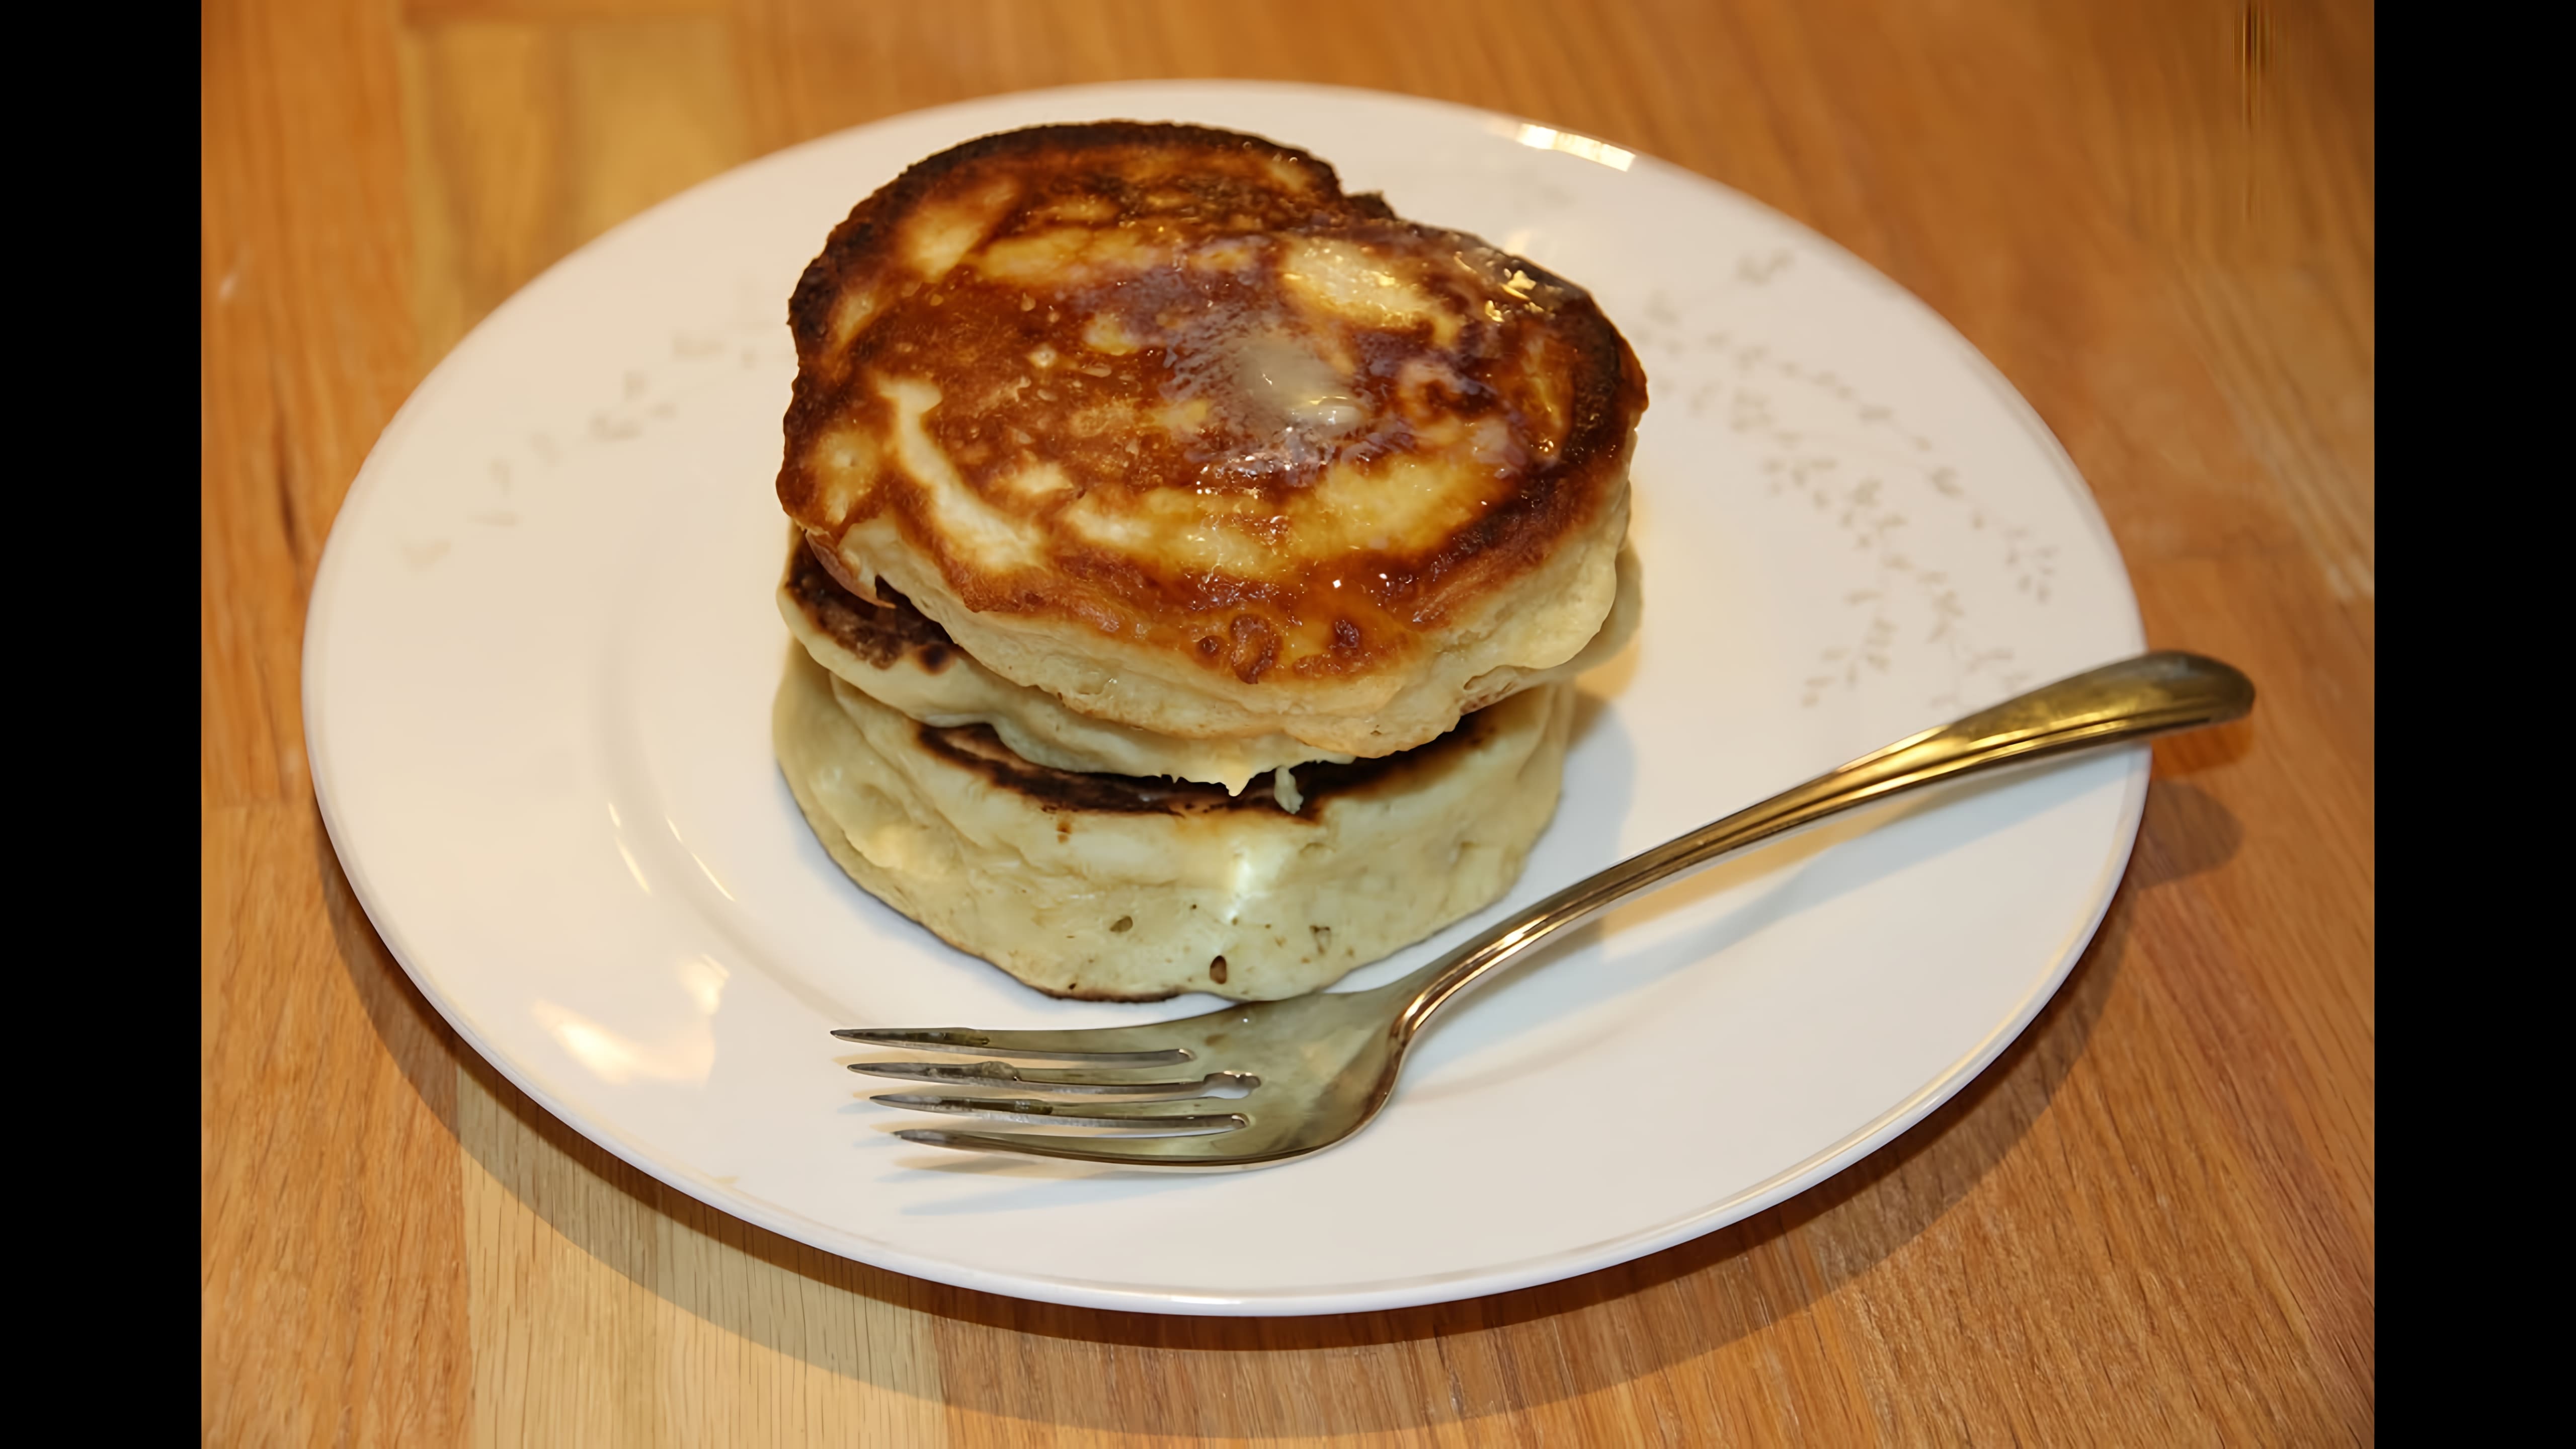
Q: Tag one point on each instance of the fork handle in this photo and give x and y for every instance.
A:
(2148, 695)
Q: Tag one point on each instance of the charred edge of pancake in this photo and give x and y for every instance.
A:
(881, 634)
(1064, 792)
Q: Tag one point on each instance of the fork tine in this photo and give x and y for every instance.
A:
(1054, 1046)
(1104, 1151)
(1095, 1084)
(1049, 1114)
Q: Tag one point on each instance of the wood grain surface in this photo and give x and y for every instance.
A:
(2152, 1222)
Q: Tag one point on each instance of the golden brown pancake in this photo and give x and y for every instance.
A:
(1157, 420)
(903, 659)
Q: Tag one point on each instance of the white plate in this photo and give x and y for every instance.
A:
(542, 649)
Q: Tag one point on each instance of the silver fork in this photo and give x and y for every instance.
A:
(1261, 1083)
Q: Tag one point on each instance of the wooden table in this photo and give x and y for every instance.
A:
(2152, 1222)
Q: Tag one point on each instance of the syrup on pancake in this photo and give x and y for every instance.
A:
(1173, 386)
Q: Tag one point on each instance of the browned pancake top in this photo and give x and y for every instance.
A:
(1173, 385)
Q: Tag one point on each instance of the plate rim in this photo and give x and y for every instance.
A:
(367, 485)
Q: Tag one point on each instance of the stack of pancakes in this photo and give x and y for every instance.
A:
(1191, 561)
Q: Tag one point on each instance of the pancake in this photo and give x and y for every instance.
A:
(895, 655)
(900, 658)
(1109, 888)
(1158, 421)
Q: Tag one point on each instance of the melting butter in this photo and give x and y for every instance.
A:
(1282, 377)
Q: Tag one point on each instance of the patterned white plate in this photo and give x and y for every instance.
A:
(542, 650)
